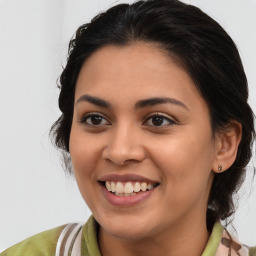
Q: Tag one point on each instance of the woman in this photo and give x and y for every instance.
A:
(157, 130)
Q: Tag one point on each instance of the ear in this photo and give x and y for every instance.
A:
(226, 143)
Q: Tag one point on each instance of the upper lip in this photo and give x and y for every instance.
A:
(126, 178)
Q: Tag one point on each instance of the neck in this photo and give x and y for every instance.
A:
(187, 238)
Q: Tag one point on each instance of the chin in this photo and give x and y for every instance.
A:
(129, 233)
(128, 227)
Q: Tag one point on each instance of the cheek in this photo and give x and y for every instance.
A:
(83, 158)
(182, 151)
(83, 150)
(185, 161)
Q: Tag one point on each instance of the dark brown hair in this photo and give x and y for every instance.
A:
(205, 51)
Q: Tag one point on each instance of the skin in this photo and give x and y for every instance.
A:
(180, 154)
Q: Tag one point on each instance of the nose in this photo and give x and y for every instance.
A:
(124, 146)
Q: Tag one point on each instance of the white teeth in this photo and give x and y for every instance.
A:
(144, 186)
(113, 186)
(119, 187)
(128, 188)
(108, 186)
(137, 187)
(150, 186)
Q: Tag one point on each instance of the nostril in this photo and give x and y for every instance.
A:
(124, 153)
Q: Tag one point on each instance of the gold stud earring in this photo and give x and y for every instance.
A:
(219, 168)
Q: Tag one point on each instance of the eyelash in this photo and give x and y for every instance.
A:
(164, 118)
(90, 115)
(84, 120)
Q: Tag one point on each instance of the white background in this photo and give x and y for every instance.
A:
(35, 195)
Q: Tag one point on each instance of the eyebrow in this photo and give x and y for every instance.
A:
(157, 101)
(140, 104)
(94, 100)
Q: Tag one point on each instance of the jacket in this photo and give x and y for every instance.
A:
(75, 239)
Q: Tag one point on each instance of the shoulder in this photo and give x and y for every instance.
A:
(222, 243)
(61, 240)
(42, 244)
(232, 245)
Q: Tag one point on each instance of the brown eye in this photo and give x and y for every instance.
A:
(94, 120)
(158, 120)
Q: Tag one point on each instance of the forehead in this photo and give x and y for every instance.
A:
(132, 72)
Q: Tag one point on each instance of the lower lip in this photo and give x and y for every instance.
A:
(127, 200)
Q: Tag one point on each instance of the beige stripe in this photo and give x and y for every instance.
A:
(71, 239)
(62, 235)
(76, 249)
(63, 239)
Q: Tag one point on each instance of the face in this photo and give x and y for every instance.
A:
(141, 143)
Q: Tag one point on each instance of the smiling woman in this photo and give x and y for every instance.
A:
(142, 147)
(156, 126)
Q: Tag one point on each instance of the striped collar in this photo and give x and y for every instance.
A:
(220, 242)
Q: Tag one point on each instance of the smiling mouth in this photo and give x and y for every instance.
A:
(129, 188)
